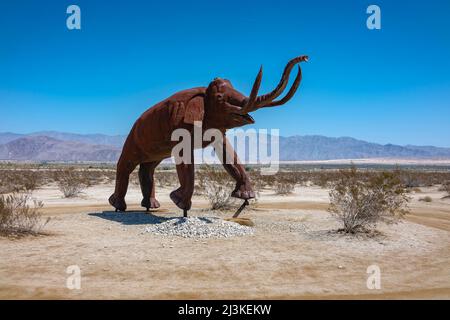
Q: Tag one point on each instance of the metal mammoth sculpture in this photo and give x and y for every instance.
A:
(217, 106)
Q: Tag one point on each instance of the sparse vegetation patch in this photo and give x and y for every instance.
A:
(71, 182)
(17, 217)
(360, 204)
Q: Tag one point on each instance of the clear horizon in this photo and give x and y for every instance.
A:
(382, 86)
(303, 135)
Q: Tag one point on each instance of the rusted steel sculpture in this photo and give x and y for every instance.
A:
(217, 106)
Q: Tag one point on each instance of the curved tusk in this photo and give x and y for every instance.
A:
(267, 98)
(254, 93)
(291, 91)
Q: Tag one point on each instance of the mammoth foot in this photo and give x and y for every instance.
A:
(243, 192)
(177, 198)
(150, 203)
(117, 203)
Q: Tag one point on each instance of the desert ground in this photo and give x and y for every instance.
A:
(293, 253)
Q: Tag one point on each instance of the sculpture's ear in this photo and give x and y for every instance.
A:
(195, 110)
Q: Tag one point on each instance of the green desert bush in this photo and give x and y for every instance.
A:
(360, 204)
(17, 217)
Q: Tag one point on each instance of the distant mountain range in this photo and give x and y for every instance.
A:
(103, 139)
(326, 148)
(61, 146)
(43, 148)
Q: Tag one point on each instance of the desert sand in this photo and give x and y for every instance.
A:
(293, 253)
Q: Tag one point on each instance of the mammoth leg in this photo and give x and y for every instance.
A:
(183, 195)
(233, 166)
(147, 182)
(125, 167)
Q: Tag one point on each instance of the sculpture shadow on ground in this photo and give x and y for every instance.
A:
(131, 217)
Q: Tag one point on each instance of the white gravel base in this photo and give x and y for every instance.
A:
(199, 227)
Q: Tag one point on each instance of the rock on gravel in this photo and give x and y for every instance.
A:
(199, 227)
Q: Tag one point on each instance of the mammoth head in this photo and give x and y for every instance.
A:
(228, 108)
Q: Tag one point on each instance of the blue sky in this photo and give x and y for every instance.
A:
(388, 86)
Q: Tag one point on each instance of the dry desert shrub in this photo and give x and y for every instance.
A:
(134, 178)
(258, 183)
(71, 182)
(411, 180)
(93, 177)
(166, 178)
(103, 176)
(17, 217)
(219, 196)
(217, 186)
(109, 175)
(284, 183)
(326, 177)
(266, 181)
(19, 180)
(284, 187)
(420, 178)
(446, 188)
(322, 178)
(360, 204)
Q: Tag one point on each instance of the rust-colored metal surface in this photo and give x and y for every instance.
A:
(218, 106)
